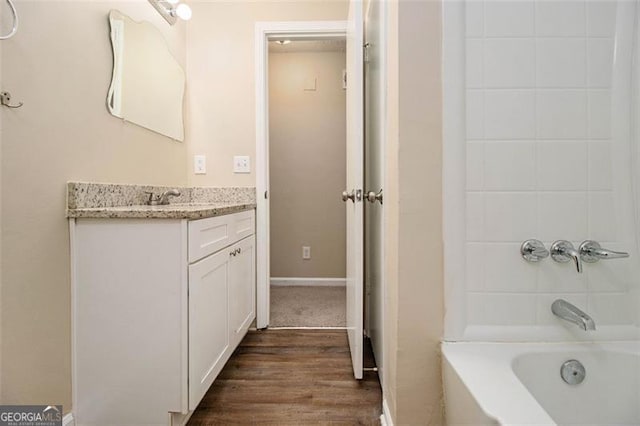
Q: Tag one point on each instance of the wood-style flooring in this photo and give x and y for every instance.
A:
(292, 377)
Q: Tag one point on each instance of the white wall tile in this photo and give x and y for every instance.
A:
(506, 271)
(615, 275)
(600, 165)
(475, 114)
(555, 277)
(475, 166)
(600, 62)
(563, 216)
(509, 166)
(474, 62)
(546, 317)
(509, 217)
(604, 218)
(600, 114)
(601, 18)
(501, 309)
(509, 114)
(507, 18)
(561, 62)
(475, 216)
(474, 18)
(560, 18)
(475, 266)
(562, 165)
(611, 308)
(561, 114)
(509, 63)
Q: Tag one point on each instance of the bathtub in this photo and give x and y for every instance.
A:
(520, 383)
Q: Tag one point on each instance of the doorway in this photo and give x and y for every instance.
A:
(352, 29)
(307, 172)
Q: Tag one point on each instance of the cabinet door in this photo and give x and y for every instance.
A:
(242, 284)
(209, 345)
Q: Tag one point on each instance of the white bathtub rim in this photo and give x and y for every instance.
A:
(486, 369)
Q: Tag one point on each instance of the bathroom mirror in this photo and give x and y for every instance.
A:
(147, 86)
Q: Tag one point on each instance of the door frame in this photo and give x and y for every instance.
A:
(263, 32)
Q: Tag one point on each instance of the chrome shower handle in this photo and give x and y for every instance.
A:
(533, 250)
(591, 251)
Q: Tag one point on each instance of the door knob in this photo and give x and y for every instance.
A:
(372, 196)
(349, 196)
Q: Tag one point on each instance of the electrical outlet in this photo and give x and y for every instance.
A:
(200, 164)
(306, 252)
(241, 164)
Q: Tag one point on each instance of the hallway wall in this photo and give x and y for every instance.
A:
(307, 143)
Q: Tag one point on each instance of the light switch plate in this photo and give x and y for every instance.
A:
(241, 164)
(200, 164)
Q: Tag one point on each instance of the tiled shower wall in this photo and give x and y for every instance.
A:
(538, 160)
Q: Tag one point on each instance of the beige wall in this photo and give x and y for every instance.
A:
(414, 274)
(220, 63)
(59, 65)
(307, 143)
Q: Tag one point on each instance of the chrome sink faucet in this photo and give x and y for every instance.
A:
(568, 312)
(563, 251)
(162, 199)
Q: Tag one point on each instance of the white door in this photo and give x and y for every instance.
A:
(355, 183)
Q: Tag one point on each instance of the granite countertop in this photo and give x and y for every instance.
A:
(170, 211)
(95, 200)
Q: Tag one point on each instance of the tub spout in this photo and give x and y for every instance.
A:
(568, 312)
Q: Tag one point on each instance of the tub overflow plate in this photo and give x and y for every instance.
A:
(572, 372)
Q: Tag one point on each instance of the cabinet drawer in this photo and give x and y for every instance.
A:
(244, 224)
(207, 236)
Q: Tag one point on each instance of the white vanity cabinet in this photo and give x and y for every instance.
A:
(221, 308)
(159, 305)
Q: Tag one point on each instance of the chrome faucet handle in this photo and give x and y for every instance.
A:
(592, 251)
(153, 199)
(533, 250)
(562, 251)
(164, 197)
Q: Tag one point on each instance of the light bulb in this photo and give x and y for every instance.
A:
(183, 12)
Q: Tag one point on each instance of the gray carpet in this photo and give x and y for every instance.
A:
(308, 306)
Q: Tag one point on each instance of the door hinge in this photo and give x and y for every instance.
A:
(365, 52)
(266, 195)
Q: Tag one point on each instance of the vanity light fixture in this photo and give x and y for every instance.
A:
(171, 10)
(282, 42)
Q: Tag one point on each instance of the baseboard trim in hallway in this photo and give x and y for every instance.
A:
(312, 282)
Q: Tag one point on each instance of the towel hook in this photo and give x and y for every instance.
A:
(5, 99)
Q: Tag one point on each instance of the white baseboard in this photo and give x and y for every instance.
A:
(385, 418)
(311, 282)
(68, 420)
